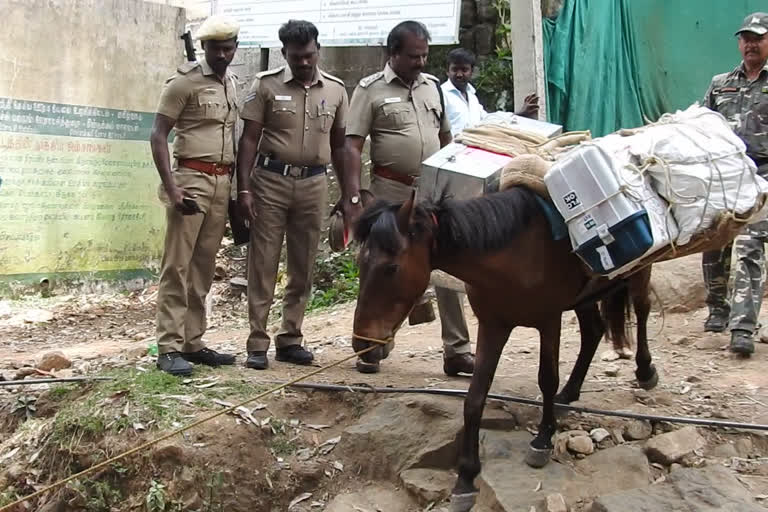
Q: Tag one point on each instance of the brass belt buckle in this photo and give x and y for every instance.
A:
(295, 171)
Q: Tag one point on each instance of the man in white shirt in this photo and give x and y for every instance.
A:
(461, 103)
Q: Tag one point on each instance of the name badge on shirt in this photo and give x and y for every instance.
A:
(392, 100)
(283, 98)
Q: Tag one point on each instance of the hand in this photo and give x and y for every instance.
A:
(247, 206)
(349, 211)
(530, 107)
(183, 201)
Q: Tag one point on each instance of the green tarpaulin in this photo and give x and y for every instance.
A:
(614, 64)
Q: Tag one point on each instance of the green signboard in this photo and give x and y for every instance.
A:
(78, 190)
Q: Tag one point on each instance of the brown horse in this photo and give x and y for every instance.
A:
(501, 246)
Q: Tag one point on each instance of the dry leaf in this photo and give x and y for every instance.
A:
(10, 454)
(298, 499)
(317, 427)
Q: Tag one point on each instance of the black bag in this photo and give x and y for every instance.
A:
(240, 231)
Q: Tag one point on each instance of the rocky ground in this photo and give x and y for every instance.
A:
(350, 452)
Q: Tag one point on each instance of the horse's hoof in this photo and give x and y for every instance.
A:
(538, 458)
(463, 502)
(651, 382)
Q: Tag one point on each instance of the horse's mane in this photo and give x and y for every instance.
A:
(485, 223)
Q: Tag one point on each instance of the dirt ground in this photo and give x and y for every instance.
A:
(698, 377)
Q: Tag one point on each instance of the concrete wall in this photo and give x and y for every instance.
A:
(110, 53)
(78, 90)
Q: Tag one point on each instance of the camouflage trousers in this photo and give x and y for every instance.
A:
(735, 278)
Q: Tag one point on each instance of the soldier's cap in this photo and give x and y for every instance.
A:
(218, 28)
(757, 23)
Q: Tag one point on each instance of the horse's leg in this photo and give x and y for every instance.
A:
(490, 342)
(646, 374)
(591, 328)
(540, 449)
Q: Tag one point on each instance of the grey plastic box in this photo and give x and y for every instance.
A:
(461, 171)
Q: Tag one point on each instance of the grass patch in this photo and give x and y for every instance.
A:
(61, 392)
(8, 496)
(99, 496)
(150, 398)
(336, 281)
(281, 446)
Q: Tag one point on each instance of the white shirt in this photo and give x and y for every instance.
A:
(462, 113)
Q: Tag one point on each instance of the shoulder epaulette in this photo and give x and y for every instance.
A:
(365, 82)
(270, 72)
(432, 77)
(331, 77)
(187, 67)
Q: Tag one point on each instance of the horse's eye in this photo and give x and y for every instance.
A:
(390, 268)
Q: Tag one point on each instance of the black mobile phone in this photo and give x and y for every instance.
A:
(192, 205)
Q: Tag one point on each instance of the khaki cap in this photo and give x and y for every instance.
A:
(218, 28)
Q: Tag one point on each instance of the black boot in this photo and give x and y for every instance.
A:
(741, 342)
(295, 354)
(717, 321)
(209, 357)
(174, 364)
(257, 360)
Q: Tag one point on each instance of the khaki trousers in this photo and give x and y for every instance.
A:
(287, 208)
(189, 261)
(450, 306)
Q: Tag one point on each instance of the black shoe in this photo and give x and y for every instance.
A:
(209, 357)
(717, 321)
(741, 343)
(174, 364)
(460, 363)
(295, 354)
(257, 360)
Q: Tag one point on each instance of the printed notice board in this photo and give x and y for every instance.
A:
(78, 190)
(341, 22)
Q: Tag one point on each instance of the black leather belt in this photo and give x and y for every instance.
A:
(294, 171)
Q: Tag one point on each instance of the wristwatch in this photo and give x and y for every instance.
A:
(354, 199)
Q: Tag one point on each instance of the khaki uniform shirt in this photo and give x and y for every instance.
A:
(745, 105)
(297, 119)
(205, 110)
(403, 122)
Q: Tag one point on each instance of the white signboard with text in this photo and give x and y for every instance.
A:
(341, 22)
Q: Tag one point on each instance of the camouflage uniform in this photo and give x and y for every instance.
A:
(745, 106)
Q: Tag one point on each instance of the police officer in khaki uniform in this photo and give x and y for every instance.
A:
(741, 96)
(199, 102)
(295, 118)
(401, 108)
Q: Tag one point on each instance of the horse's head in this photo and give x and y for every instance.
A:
(394, 261)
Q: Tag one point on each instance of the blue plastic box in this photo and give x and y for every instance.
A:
(623, 243)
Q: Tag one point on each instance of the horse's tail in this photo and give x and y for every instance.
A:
(616, 309)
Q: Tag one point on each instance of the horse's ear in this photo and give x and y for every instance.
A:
(405, 213)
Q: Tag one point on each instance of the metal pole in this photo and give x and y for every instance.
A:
(29, 382)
